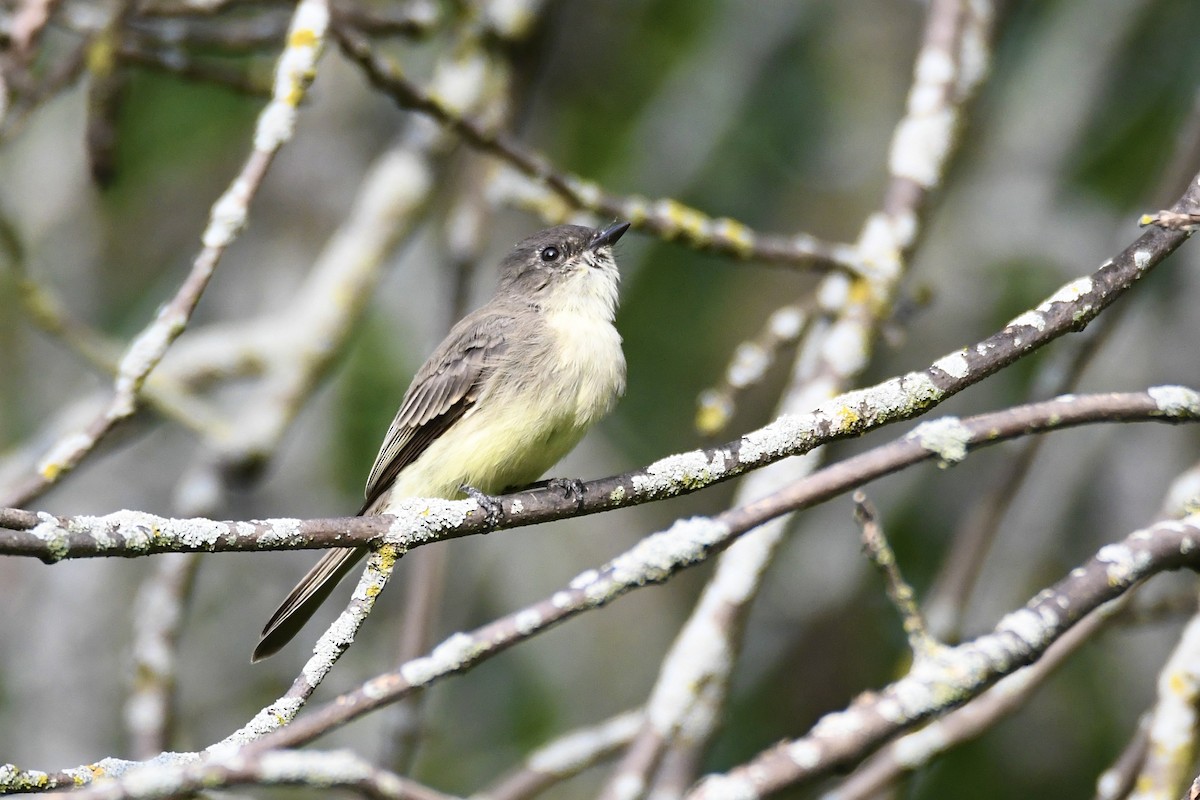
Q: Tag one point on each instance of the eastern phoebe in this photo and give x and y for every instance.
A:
(511, 389)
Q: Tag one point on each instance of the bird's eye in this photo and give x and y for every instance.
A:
(549, 253)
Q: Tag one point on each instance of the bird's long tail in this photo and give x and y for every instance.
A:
(303, 601)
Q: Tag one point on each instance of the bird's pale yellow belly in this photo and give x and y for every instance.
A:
(520, 428)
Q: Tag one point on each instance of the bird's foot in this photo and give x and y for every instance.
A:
(571, 488)
(492, 507)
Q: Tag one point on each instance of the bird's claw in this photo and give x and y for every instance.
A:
(571, 488)
(492, 507)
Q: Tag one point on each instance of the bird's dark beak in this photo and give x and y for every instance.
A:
(608, 236)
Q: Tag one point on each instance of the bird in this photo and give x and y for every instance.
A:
(512, 389)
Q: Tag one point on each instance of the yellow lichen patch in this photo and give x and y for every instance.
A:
(711, 418)
(686, 220)
(737, 235)
(860, 292)
(863, 294)
(101, 56)
(294, 96)
(388, 555)
(302, 37)
(846, 417)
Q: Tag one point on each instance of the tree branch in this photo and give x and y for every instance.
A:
(295, 71)
(687, 543)
(665, 218)
(329, 770)
(421, 521)
(958, 674)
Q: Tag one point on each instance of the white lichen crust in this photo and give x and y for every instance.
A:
(947, 438)
(1176, 401)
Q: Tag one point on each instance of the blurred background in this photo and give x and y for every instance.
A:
(777, 113)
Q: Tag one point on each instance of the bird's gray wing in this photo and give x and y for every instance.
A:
(443, 390)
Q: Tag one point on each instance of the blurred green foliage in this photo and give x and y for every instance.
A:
(1152, 91)
(370, 384)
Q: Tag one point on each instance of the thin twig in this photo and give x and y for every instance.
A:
(898, 590)
(666, 218)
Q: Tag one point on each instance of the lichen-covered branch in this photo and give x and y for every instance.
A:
(564, 757)
(329, 648)
(666, 218)
(653, 560)
(899, 591)
(159, 614)
(958, 674)
(420, 521)
(295, 70)
(950, 64)
(329, 770)
(659, 556)
(919, 748)
(1171, 732)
